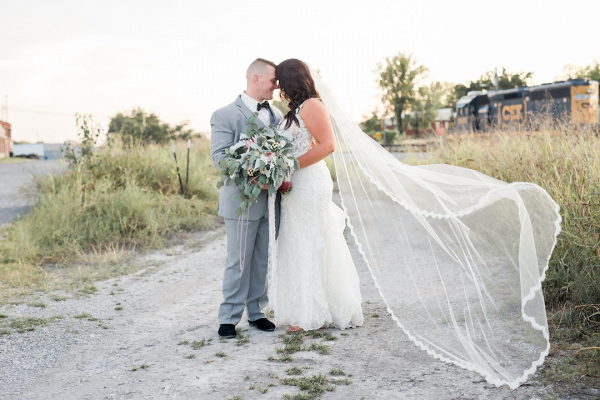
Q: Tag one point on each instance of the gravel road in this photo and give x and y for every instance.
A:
(15, 177)
(125, 342)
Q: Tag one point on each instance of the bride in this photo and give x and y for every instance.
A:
(316, 282)
(458, 257)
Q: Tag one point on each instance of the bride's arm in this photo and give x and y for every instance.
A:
(315, 116)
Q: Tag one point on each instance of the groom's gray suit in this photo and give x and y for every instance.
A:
(247, 237)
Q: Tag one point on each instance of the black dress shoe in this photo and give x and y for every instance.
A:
(227, 331)
(263, 324)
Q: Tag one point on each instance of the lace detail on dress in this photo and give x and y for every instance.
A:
(302, 138)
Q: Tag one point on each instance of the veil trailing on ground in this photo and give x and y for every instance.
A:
(458, 257)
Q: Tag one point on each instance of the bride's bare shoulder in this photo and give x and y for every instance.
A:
(313, 108)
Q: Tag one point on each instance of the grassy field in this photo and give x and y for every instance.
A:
(112, 202)
(120, 199)
(567, 164)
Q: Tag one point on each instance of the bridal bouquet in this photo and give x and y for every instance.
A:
(261, 157)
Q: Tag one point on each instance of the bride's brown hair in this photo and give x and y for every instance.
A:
(297, 86)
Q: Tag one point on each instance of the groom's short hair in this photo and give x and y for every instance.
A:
(257, 65)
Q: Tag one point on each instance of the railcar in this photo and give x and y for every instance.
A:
(574, 101)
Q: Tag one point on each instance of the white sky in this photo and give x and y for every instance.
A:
(184, 59)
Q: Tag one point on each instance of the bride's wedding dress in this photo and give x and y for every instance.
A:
(316, 281)
(458, 257)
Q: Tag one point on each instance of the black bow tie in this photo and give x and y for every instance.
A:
(263, 105)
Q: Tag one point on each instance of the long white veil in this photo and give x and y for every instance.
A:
(457, 256)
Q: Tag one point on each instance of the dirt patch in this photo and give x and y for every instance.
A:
(152, 335)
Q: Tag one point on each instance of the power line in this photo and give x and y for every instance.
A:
(73, 115)
(52, 114)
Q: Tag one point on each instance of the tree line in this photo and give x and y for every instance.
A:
(414, 104)
(404, 95)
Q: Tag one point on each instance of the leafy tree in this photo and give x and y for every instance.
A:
(428, 99)
(372, 123)
(398, 78)
(506, 80)
(445, 92)
(591, 71)
(140, 127)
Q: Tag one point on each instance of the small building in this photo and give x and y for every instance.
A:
(29, 150)
(5, 139)
(53, 151)
(442, 121)
(440, 125)
(43, 151)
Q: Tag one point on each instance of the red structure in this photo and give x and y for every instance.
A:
(5, 140)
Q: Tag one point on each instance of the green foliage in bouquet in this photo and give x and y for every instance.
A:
(261, 157)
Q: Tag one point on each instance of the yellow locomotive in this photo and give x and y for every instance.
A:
(574, 101)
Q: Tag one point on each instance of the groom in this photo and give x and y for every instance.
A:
(248, 237)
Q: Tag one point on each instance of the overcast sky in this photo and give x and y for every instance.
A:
(184, 59)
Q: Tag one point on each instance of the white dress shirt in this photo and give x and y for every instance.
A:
(263, 114)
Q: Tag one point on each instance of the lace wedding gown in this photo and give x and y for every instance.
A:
(316, 281)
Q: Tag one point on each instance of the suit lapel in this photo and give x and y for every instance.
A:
(246, 111)
(272, 118)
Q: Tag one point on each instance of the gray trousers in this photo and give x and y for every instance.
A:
(245, 287)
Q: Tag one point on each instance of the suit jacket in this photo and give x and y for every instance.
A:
(227, 124)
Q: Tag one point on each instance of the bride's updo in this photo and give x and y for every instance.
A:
(297, 86)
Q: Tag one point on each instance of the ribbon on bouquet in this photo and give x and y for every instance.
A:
(272, 282)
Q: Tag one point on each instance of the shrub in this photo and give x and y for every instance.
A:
(111, 197)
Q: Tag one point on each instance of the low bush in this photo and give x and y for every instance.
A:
(110, 197)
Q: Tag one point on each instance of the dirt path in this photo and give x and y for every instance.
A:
(122, 342)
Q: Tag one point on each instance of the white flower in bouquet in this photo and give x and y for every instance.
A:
(261, 157)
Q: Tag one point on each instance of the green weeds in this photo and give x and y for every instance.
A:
(143, 366)
(294, 342)
(314, 385)
(198, 344)
(26, 324)
(115, 199)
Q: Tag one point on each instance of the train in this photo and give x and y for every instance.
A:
(574, 101)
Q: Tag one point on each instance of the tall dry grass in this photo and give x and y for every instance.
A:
(119, 198)
(565, 162)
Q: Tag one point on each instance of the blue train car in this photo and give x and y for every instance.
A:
(574, 101)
